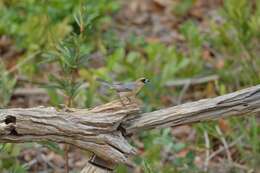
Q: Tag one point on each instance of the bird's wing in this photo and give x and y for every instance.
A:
(105, 83)
(126, 87)
(119, 87)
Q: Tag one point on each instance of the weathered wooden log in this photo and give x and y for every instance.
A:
(100, 129)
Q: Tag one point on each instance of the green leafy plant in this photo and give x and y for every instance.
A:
(236, 36)
(8, 161)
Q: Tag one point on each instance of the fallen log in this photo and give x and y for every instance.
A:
(101, 129)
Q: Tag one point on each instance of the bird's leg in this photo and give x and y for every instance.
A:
(120, 99)
(65, 108)
(129, 100)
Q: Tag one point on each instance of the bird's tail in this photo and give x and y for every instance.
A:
(105, 83)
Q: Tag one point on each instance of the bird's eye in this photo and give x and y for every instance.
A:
(145, 80)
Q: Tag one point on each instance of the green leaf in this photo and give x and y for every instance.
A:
(147, 167)
(17, 168)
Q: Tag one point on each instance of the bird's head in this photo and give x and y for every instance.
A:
(143, 80)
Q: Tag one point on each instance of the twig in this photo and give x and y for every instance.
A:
(191, 81)
(243, 167)
(29, 92)
(37, 91)
(30, 163)
(24, 79)
(223, 140)
(221, 149)
(46, 160)
(207, 144)
(24, 61)
(183, 91)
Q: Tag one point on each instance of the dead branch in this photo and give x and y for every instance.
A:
(100, 129)
(30, 92)
(243, 102)
(191, 81)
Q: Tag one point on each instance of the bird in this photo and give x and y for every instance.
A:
(126, 90)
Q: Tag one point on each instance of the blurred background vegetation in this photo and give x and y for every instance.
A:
(51, 51)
